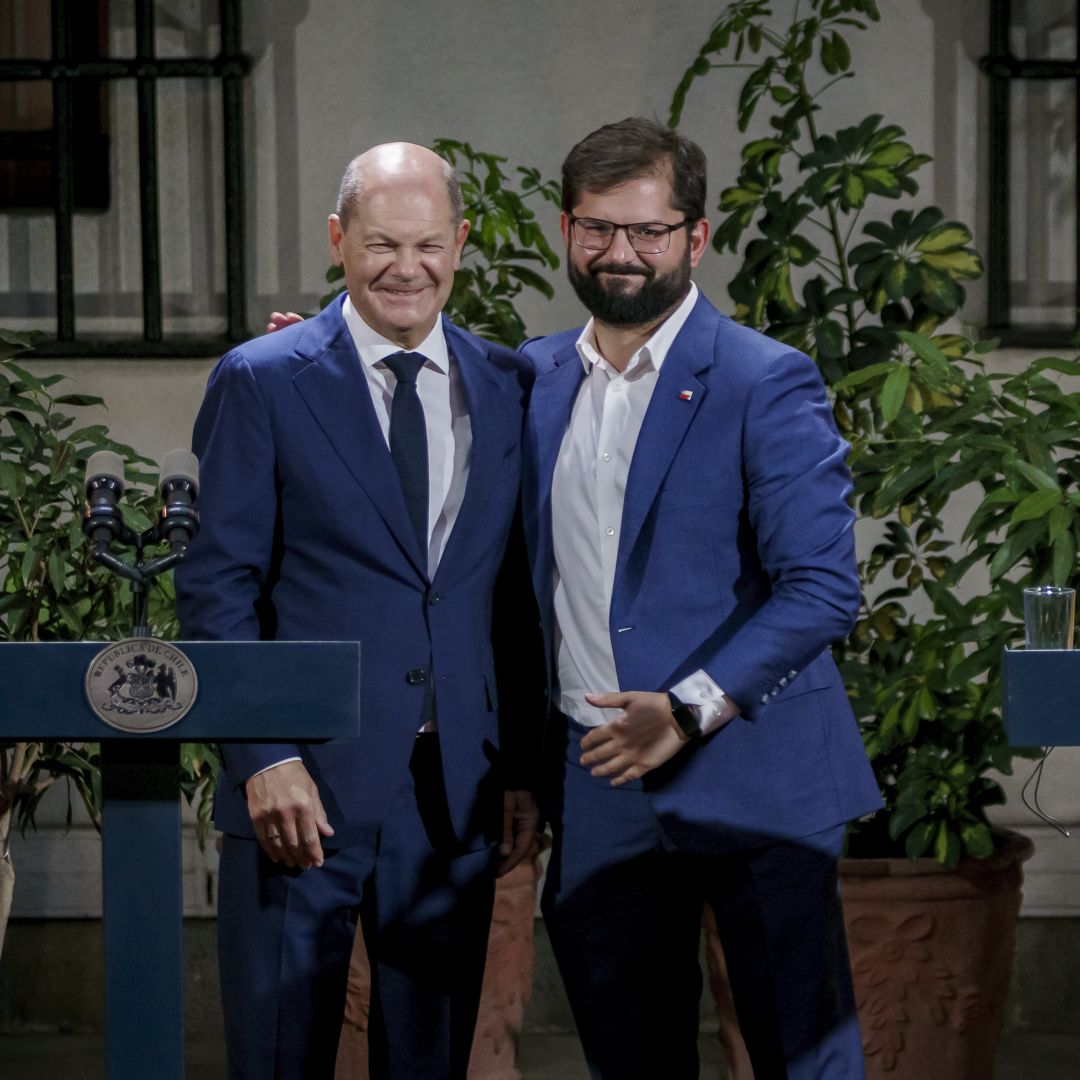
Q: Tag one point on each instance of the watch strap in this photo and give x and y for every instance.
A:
(686, 717)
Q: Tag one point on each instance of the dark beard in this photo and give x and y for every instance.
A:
(617, 306)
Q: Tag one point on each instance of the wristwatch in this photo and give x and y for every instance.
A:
(686, 718)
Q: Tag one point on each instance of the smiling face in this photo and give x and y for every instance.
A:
(399, 247)
(620, 286)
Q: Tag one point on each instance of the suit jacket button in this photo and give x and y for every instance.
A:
(415, 676)
(434, 598)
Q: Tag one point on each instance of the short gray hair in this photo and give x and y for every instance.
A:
(352, 188)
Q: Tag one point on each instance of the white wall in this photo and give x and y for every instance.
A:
(523, 80)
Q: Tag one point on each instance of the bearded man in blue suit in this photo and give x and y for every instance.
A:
(360, 475)
(686, 502)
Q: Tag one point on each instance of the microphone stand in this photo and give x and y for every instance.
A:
(141, 572)
(140, 785)
(177, 522)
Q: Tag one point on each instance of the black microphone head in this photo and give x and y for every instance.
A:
(102, 520)
(179, 465)
(106, 467)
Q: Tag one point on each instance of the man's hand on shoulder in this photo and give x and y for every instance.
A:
(643, 736)
(288, 815)
(521, 830)
(279, 320)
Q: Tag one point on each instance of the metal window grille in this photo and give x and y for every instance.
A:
(1034, 223)
(68, 70)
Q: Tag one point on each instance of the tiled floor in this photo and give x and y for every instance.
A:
(543, 1057)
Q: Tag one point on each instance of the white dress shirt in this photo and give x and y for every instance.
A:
(587, 493)
(449, 430)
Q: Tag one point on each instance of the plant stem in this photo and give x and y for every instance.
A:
(29, 532)
(830, 207)
(854, 221)
(832, 82)
(18, 758)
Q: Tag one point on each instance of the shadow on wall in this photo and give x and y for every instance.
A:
(270, 33)
(961, 121)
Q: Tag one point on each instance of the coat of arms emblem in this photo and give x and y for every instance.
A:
(141, 684)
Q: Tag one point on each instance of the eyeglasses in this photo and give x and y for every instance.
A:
(646, 237)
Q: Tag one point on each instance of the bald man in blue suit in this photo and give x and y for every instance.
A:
(360, 476)
(687, 509)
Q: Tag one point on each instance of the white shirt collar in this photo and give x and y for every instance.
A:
(373, 347)
(654, 350)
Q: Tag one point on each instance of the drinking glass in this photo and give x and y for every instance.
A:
(1049, 611)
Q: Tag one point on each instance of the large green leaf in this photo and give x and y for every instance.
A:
(1037, 505)
(893, 392)
(1041, 479)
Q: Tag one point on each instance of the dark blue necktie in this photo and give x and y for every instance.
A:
(408, 440)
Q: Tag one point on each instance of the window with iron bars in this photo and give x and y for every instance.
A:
(1034, 227)
(121, 175)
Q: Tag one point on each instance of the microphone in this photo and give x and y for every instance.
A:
(179, 487)
(102, 520)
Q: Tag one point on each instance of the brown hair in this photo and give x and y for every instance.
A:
(631, 148)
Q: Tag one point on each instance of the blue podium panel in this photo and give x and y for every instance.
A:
(260, 691)
(253, 691)
(142, 905)
(1040, 696)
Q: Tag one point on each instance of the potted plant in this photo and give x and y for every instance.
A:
(49, 590)
(866, 294)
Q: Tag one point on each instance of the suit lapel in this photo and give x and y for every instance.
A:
(667, 419)
(487, 410)
(335, 389)
(552, 401)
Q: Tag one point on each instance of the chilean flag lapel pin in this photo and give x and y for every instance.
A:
(685, 395)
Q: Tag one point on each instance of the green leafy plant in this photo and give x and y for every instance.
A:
(50, 589)
(827, 268)
(503, 250)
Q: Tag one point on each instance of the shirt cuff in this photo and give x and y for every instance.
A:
(712, 706)
(274, 766)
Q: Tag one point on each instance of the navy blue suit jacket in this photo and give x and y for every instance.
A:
(306, 536)
(736, 556)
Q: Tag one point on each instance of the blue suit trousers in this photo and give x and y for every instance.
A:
(623, 904)
(425, 903)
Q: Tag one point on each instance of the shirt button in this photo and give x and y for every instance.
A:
(610, 532)
(607, 457)
(415, 676)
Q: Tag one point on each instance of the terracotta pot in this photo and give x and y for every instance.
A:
(932, 955)
(727, 1022)
(507, 987)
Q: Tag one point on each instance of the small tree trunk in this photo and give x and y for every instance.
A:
(7, 875)
(12, 765)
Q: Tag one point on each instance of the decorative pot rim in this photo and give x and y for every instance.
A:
(1013, 848)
